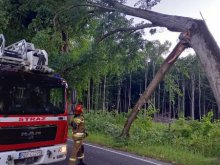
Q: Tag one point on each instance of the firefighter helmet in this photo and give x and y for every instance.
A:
(78, 108)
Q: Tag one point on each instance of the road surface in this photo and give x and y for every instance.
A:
(96, 155)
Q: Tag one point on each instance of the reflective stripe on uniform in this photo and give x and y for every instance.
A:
(78, 141)
(77, 120)
(81, 157)
(78, 135)
(72, 159)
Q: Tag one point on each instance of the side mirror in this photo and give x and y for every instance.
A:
(73, 99)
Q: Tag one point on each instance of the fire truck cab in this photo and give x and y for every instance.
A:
(33, 107)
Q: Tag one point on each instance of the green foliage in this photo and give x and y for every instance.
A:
(172, 87)
(53, 24)
(202, 137)
(147, 4)
(45, 39)
(104, 123)
(177, 143)
(207, 124)
(3, 17)
(196, 137)
(181, 129)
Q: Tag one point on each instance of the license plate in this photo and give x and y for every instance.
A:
(30, 154)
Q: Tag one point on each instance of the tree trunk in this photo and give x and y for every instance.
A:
(140, 89)
(178, 99)
(118, 96)
(184, 94)
(129, 92)
(204, 106)
(193, 96)
(154, 93)
(209, 54)
(145, 81)
(158, 100)
(170, 103)
(100, 96)
(163, 102)
(125, 109)
(97, 84)
(179, 48)
(92, 97)
(173, 108)
(65, 46)
(200, 113)
(103, 101)
(88, 97)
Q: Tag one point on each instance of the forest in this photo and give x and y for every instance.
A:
(109, 73)
(104, 55)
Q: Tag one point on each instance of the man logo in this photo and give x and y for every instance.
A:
(30, 134)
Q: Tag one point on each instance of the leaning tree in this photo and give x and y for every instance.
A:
(194, 34)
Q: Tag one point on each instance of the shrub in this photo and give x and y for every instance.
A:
(199, 137)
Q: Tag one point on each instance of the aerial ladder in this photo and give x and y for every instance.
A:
(24, 56)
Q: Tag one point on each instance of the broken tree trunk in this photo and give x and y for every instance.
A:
(201, 39)
(179, 48)
(208, 52)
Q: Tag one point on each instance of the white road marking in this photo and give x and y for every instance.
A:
(119, 153)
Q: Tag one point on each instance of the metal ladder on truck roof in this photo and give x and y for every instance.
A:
(23, 56)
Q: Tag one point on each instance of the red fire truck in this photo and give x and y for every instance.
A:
(33, 108)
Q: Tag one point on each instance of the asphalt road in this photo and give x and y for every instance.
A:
(96, 155)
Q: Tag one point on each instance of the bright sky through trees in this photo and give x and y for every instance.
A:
(189, 8)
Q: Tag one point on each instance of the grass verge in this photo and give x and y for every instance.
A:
(165, 153)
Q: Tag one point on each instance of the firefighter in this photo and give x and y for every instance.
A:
(78, 135)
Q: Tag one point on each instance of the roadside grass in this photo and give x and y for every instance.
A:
(172, 155)
(148, 139)
(97, 138)
(163, 153)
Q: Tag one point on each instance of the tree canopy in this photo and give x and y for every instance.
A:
(105, 56)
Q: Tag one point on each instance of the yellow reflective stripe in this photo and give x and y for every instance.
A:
(81, 157)
(77, 121)
(72, 159)
(79, 135)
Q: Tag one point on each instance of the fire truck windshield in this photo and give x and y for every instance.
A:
(29, 98)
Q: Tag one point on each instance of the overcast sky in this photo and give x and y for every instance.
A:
(210, 10)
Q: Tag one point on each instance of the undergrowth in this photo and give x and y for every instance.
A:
(187, 142)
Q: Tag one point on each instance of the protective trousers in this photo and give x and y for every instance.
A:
(77, 153)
